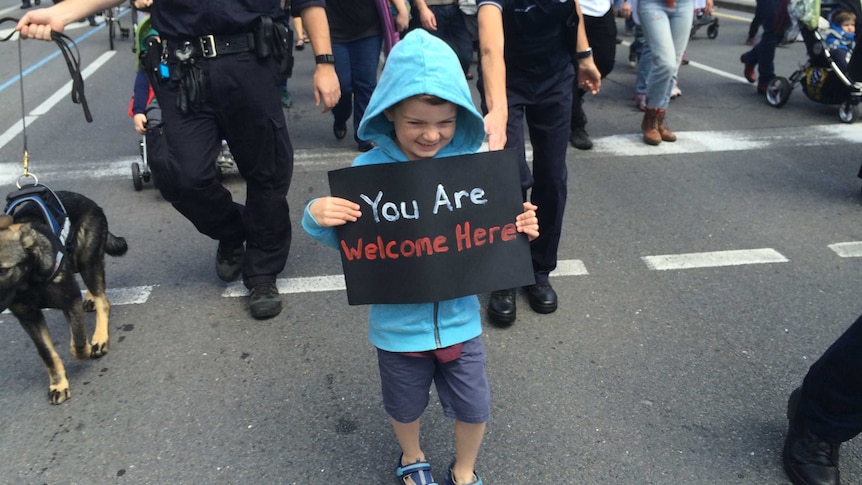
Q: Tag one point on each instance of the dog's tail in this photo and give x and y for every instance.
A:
(116, 246)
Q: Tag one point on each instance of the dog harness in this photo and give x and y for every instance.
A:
(38, 200)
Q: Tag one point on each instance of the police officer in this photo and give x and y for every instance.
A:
(530, 76)
(220, 80)
(825, 412)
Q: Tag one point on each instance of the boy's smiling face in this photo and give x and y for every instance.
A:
(421, 128)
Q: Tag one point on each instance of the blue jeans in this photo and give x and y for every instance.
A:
(356, 65)
(667, 31)
(644, 63)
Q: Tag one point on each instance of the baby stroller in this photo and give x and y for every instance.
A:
(701, 18)
(821, 78)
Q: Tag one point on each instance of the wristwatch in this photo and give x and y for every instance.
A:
(324, 59)
(584, 54)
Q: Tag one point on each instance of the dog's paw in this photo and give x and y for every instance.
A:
(58, 394)
(81, 353)
(99, 349)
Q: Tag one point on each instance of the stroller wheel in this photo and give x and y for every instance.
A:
(778, 91)
(136, 176)
(848, 112)
(712, 31)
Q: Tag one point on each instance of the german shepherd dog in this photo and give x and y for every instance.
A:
(30, 280)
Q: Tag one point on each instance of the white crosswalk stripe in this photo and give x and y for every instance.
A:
(616, 146)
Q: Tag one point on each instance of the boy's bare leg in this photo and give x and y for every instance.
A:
(408, 438)
(468, 439)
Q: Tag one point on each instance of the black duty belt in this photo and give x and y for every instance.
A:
(210, 46)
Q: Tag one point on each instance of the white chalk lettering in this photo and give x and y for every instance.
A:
(390, 210)
(476, 196)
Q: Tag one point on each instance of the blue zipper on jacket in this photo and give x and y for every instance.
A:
(436, 326)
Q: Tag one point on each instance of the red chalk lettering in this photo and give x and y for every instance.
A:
(440, 244)
(352, 253)
(466, 238)
(462, 236)
(510, 231)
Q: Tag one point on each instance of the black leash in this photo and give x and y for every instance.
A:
(73, 63)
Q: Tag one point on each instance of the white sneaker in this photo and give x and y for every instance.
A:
(675, 92)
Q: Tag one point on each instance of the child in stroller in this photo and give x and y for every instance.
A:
(841, 36)
(824, 78)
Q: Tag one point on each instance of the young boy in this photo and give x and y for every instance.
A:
(421, 109)
(841, 37)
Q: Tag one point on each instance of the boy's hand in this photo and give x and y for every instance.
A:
(334, 211)
(527, 222)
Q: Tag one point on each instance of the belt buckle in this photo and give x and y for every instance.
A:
(208, 46)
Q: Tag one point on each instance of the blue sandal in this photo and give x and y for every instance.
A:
(477, 480)
(419, 472)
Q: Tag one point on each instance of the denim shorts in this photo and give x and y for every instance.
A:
(461, 384)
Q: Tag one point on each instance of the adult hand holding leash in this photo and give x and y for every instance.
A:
(48, 24)
(40, 23)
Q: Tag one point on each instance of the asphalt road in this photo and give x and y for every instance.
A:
(645, 375)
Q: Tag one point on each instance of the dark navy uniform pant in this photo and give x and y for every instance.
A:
(243, 106)
(545, 103)
(831, 403)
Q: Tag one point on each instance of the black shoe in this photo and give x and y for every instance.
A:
(339, 129)
(229, 261)
(808, 460)
(543, 298)
(501, 307)
(580, 139)
(25, 6)
(264, 301)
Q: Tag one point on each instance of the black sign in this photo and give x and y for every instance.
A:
(433, 229)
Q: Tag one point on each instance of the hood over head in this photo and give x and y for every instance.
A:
(422, 64)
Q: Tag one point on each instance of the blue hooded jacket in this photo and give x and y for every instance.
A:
(418, 64)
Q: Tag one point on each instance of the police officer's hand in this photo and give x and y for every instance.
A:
(495, 128)
(589, 77)
(39, 23)
(327, 90)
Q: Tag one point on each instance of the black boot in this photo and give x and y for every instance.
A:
(542, 298)
(808, 460)
(25, 4)
(501, 308)
(580, 139)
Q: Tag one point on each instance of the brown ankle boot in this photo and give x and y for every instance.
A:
(666, 134)
(650, 127)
